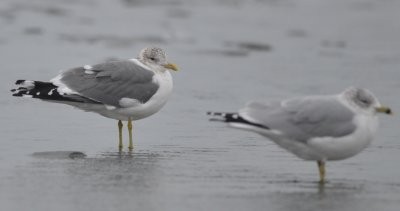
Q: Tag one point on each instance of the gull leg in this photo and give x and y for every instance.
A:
(130, 134)
(120, 134)
(321, 168)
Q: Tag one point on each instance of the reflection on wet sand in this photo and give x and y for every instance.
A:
(59, 154)
(316, 196)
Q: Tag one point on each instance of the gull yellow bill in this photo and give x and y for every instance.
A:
(384, 109)
(171, 66)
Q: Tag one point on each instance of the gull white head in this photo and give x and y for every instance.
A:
(363, 100)
(155, 58)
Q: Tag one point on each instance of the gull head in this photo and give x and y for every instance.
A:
(363, 100)
(155, 58)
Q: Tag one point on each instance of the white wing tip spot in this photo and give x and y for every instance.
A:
(28, 84)
(51, 92)
(110, 107)
(87, 67)
(89, 72)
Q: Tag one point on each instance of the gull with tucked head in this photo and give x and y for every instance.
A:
(124, 90)
(318, 128)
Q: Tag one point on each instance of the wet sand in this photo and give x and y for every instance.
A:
(54, 157)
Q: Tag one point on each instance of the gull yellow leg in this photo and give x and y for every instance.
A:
(120, 134)
(321, 168)
(130, 134)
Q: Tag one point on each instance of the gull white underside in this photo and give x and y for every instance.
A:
(323, 148)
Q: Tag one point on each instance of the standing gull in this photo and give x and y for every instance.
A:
(124, 90)
(318, 128)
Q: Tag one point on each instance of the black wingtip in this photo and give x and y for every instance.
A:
(19, 82)
(216, 116)
(233, 118)
(18, 92)
(210, 113)
(17, 95)
(223, 114)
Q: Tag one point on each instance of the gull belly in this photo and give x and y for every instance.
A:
(142, 110)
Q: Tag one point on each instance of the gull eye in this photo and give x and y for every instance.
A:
(152, 59)
(365, 101)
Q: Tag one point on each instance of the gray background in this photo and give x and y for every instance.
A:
(229, 52)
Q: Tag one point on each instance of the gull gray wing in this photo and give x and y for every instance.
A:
(303, 118)
(109, 82)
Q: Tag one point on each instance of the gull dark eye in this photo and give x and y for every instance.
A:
(365, 101)
(152, 58)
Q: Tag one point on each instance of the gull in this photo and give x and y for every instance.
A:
(317, 128)
(124, 90)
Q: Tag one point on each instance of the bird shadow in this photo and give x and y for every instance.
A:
(130, 154)
(59, 155)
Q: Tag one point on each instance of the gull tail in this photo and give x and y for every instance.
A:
(222, 116)
(232, 118)
(44, 91)
(34, 89)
